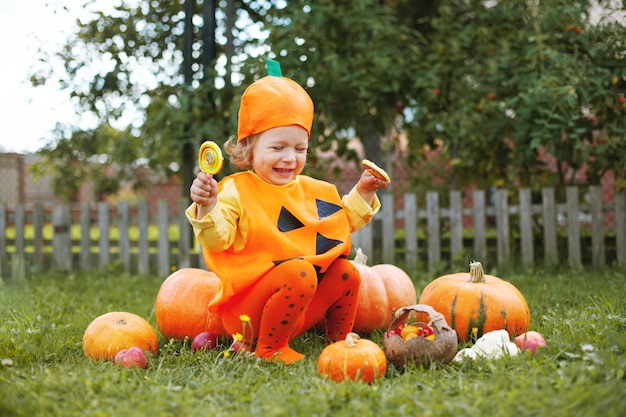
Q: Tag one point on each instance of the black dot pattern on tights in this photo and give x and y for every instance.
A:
(274, 333)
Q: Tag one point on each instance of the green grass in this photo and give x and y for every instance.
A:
(44, 372)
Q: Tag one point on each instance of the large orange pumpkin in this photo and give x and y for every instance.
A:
(353, 358)
(111, 332)
(384, 289)
(182, 304)
(474, 303)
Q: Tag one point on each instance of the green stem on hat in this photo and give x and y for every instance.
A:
(273, 68)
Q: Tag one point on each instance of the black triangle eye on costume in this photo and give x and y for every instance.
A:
(287, 221)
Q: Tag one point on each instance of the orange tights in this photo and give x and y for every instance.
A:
(288, 301)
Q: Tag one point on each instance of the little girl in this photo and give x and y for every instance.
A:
(279, 240)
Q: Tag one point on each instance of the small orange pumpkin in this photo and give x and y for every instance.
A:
(182, 304)
(352, 358)
(384, 289)
(111, 332)
(474, 303)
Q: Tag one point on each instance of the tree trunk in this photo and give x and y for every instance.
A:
(371, 138)
(188, 153)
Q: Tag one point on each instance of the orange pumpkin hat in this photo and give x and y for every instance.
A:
(274, 101)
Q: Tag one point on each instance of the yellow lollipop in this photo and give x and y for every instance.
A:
(210, 158)
(375, 170)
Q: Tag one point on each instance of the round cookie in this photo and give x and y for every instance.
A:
(375, 170)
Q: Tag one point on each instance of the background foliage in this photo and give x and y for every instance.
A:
(498, 92)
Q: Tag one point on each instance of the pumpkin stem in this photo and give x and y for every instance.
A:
(351, 339)
(477, 273)
(360, 258)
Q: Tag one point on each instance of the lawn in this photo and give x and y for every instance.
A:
(582, 371)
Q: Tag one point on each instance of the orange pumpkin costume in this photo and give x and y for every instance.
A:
(281, 250)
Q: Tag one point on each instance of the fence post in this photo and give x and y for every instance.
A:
(434, 239)
(85, 236)
(164, 238)
(144, 245)
(61, 238)
(410, 228)
(550, 254)
(502, 221)
(123, 224)
(18, 267)
(480, 222)
(103, 226)
(363, 239)
(3, 238)
(456, 224)
(184, 235)
(20, 223)
(388, 227)
(573, 226)
(598, 258)
(620, 227)
(526, 228)
(38, 222)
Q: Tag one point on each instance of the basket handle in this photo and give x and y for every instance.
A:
(402, 314)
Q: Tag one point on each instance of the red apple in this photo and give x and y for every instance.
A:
(239, 346)
(205, 340)
(530, 340)
(131, 357)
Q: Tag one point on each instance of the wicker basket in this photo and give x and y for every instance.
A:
(419, 350)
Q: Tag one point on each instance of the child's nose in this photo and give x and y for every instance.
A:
(289, 155)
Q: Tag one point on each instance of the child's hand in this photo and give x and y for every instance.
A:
(369, 182)
(203, 192)
(368, 185)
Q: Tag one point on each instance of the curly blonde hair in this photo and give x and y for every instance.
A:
(241, 151)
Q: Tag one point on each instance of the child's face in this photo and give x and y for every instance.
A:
(280, 154)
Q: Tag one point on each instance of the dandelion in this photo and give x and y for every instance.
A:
(237, 347)
(245, 322)
(237, 338)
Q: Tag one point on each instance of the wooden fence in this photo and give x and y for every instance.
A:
(93, 236)
(520, 233)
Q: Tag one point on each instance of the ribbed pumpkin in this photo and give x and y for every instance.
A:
(111, 332)
(384, 289)
(352, 358)
(474, 303)
(182, 304)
